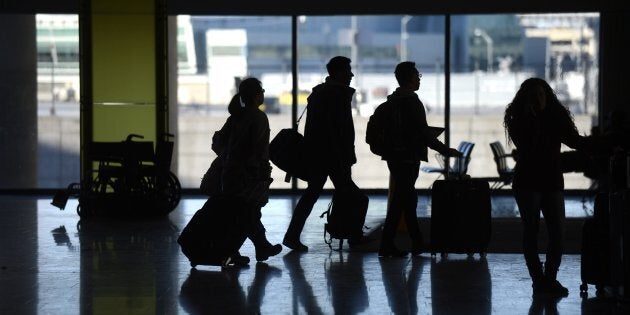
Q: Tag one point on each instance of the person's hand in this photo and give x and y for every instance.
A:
(451, 152)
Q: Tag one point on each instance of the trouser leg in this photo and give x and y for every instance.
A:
(403, 201)
(411, 204)
(529, 208)
(257, 232)
(553, 212)
(305, 206)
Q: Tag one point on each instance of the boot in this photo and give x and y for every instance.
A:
(294, 243)
(240, 260)
(554, 287)
(264, 249)
(264, 252)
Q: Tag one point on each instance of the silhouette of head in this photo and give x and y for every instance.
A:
(407, 75)
(250, 93)
(250, 89)
(534, 97)
(536, 93)
(340, 70)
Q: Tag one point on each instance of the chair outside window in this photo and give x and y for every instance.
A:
(506, 173)
(458, 167)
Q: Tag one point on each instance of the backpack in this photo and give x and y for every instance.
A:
(345, 216)
(384, 132)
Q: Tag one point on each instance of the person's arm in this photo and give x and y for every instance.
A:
(427, 137)
(260, 146)
(570, 136)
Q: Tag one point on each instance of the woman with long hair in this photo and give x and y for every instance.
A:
(538, 124)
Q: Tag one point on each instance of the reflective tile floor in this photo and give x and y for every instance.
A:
(53, 262)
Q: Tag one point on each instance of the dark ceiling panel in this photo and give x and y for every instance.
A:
(337, 7)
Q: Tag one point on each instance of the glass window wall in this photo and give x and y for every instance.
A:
(500, 52)
(490, 56)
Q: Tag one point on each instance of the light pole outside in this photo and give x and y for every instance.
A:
(404, 36)
(486, 38)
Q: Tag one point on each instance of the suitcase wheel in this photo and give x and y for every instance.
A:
(583, 287)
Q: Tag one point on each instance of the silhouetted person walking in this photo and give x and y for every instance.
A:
(538, 124)
(329, 144)
(247, 171)
(412, 137)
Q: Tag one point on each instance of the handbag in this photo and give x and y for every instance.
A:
(211, 180)
(286, 150)
(256, 193)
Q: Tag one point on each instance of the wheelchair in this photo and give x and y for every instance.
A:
(129, 179)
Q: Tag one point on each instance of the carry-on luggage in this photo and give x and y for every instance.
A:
(345, 216)
(594, 260)
(595, 253)
(460, 216)
(605, 260)
(286, 151)
(215, 233)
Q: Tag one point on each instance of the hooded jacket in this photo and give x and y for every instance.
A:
(329, 130)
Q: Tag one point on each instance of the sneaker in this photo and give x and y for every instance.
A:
(265, 253)
(294, 244)
(556, 289)
(240, 260)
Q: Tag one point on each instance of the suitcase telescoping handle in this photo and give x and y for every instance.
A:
(458, 172)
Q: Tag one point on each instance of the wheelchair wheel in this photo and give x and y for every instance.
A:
(175, 190)
(169, 193)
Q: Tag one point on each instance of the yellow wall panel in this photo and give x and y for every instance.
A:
(123, 52)
(114, 122)
(123, 6)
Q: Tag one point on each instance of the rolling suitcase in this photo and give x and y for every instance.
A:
(460, 216)
(594, 257)
(215, 233)
(619, 211)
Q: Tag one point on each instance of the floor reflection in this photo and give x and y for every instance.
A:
(60, 235)
(461, 286)
(544, 305)
(401, 285)
(128, 266)
(213, 292)
(54, 263)
(346, 283)
(301, 291)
